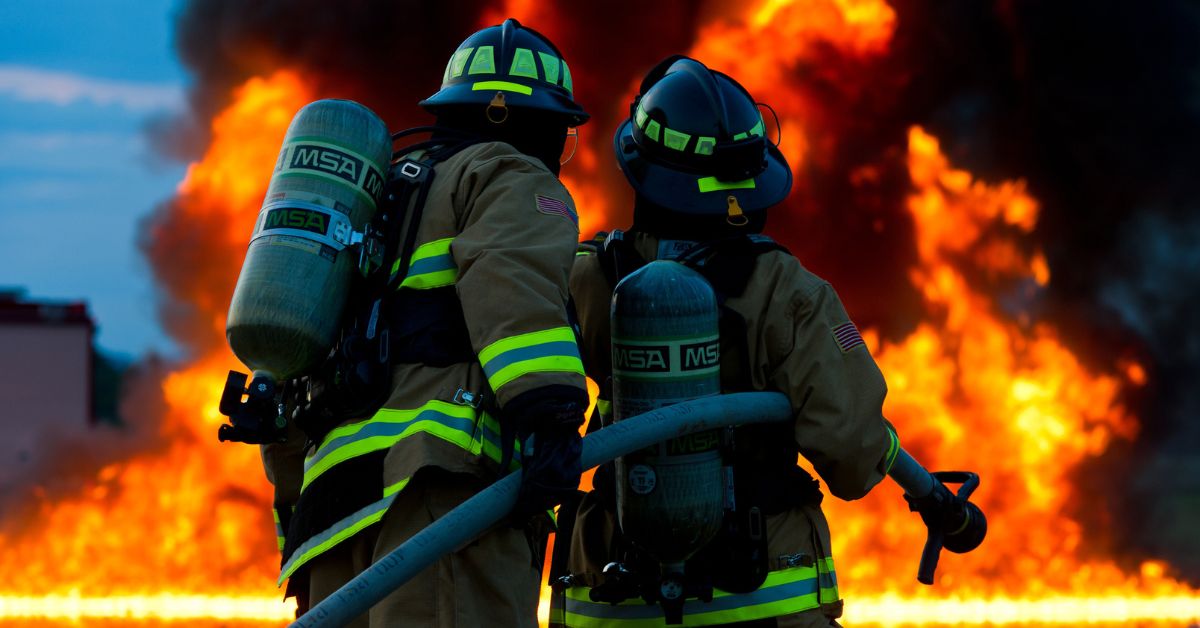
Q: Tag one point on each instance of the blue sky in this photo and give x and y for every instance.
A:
(79, 80)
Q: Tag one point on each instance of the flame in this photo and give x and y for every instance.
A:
(184, 533)
(774, 39)
(975, 389)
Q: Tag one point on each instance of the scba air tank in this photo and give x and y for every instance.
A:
(666, 349)
(288, 304)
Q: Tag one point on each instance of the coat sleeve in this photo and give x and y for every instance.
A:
(835, 388)
(514, 253)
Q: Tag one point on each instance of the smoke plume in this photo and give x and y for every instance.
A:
(1096, 105)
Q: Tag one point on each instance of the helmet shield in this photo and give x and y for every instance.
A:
(514, 60)
(694, 138)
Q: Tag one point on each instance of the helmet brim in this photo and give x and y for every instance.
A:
(542, 100)
(683, 192)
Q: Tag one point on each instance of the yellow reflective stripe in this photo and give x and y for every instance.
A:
(520, 341)
(652, 128)
(785, 591)
(523, 64)
(550, 364)
(713, 184)
(340, 531)
(279, 538)
(484, 61)
(892, 452)
(482, 439)
(550, 65)
(431, 280)
(329, 454)
(491, 449)
(604, 407)
(827, 579)
(502, 85)
(546, 351)
(395, 488)
(557, 614)
(431, 266)
(675, 140)
(705, 145)
(458, 62)
(425, 251)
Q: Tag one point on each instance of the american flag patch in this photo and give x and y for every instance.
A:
(847, 336)
(555, 207)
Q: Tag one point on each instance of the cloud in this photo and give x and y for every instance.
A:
(36, 85)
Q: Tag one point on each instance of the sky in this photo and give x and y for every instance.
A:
(79, 82)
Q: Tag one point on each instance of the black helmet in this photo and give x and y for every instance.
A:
(515, 61)
(694, 144)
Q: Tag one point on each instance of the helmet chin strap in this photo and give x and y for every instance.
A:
(778, 124)
(574, 133)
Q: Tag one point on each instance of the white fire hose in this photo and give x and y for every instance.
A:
(489, 506)
(486, 508)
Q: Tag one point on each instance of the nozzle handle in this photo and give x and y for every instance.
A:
(952, 520)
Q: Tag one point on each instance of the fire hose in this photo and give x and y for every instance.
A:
(489, 506)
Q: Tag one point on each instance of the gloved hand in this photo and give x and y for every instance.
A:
(549, 473)
(939, 509)
(548, 427)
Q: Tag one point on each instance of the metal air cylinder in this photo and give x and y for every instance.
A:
(288, 304)
(666, 349)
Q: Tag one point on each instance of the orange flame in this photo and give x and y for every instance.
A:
(185, 533)
(973, 389)
(192, 519)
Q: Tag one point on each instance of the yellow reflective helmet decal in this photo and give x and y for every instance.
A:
(566, 82)
(458, 61)
(502, 85)
(758, 128)
(639, 116)
(550, 65)
(713, 184)
(484, 61)
(675, 140)
(652, 128)
(523, 64)
(705, 145)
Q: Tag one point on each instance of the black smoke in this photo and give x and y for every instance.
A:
(1095, 104)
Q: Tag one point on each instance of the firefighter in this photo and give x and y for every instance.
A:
(705, 176)
(486, 375)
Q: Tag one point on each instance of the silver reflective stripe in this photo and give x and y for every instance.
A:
(764, 595)
(335, 534)
(785, 592)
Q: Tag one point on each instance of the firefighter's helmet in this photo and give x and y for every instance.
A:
(695, 144)
(513, 63)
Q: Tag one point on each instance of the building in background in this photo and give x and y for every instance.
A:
(47, 378)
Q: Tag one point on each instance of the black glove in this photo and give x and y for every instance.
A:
(939, 509)
(547, 421)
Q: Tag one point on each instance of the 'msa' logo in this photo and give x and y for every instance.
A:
(329, 160)
(651, 359)
(296, 218)
(700, 355)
